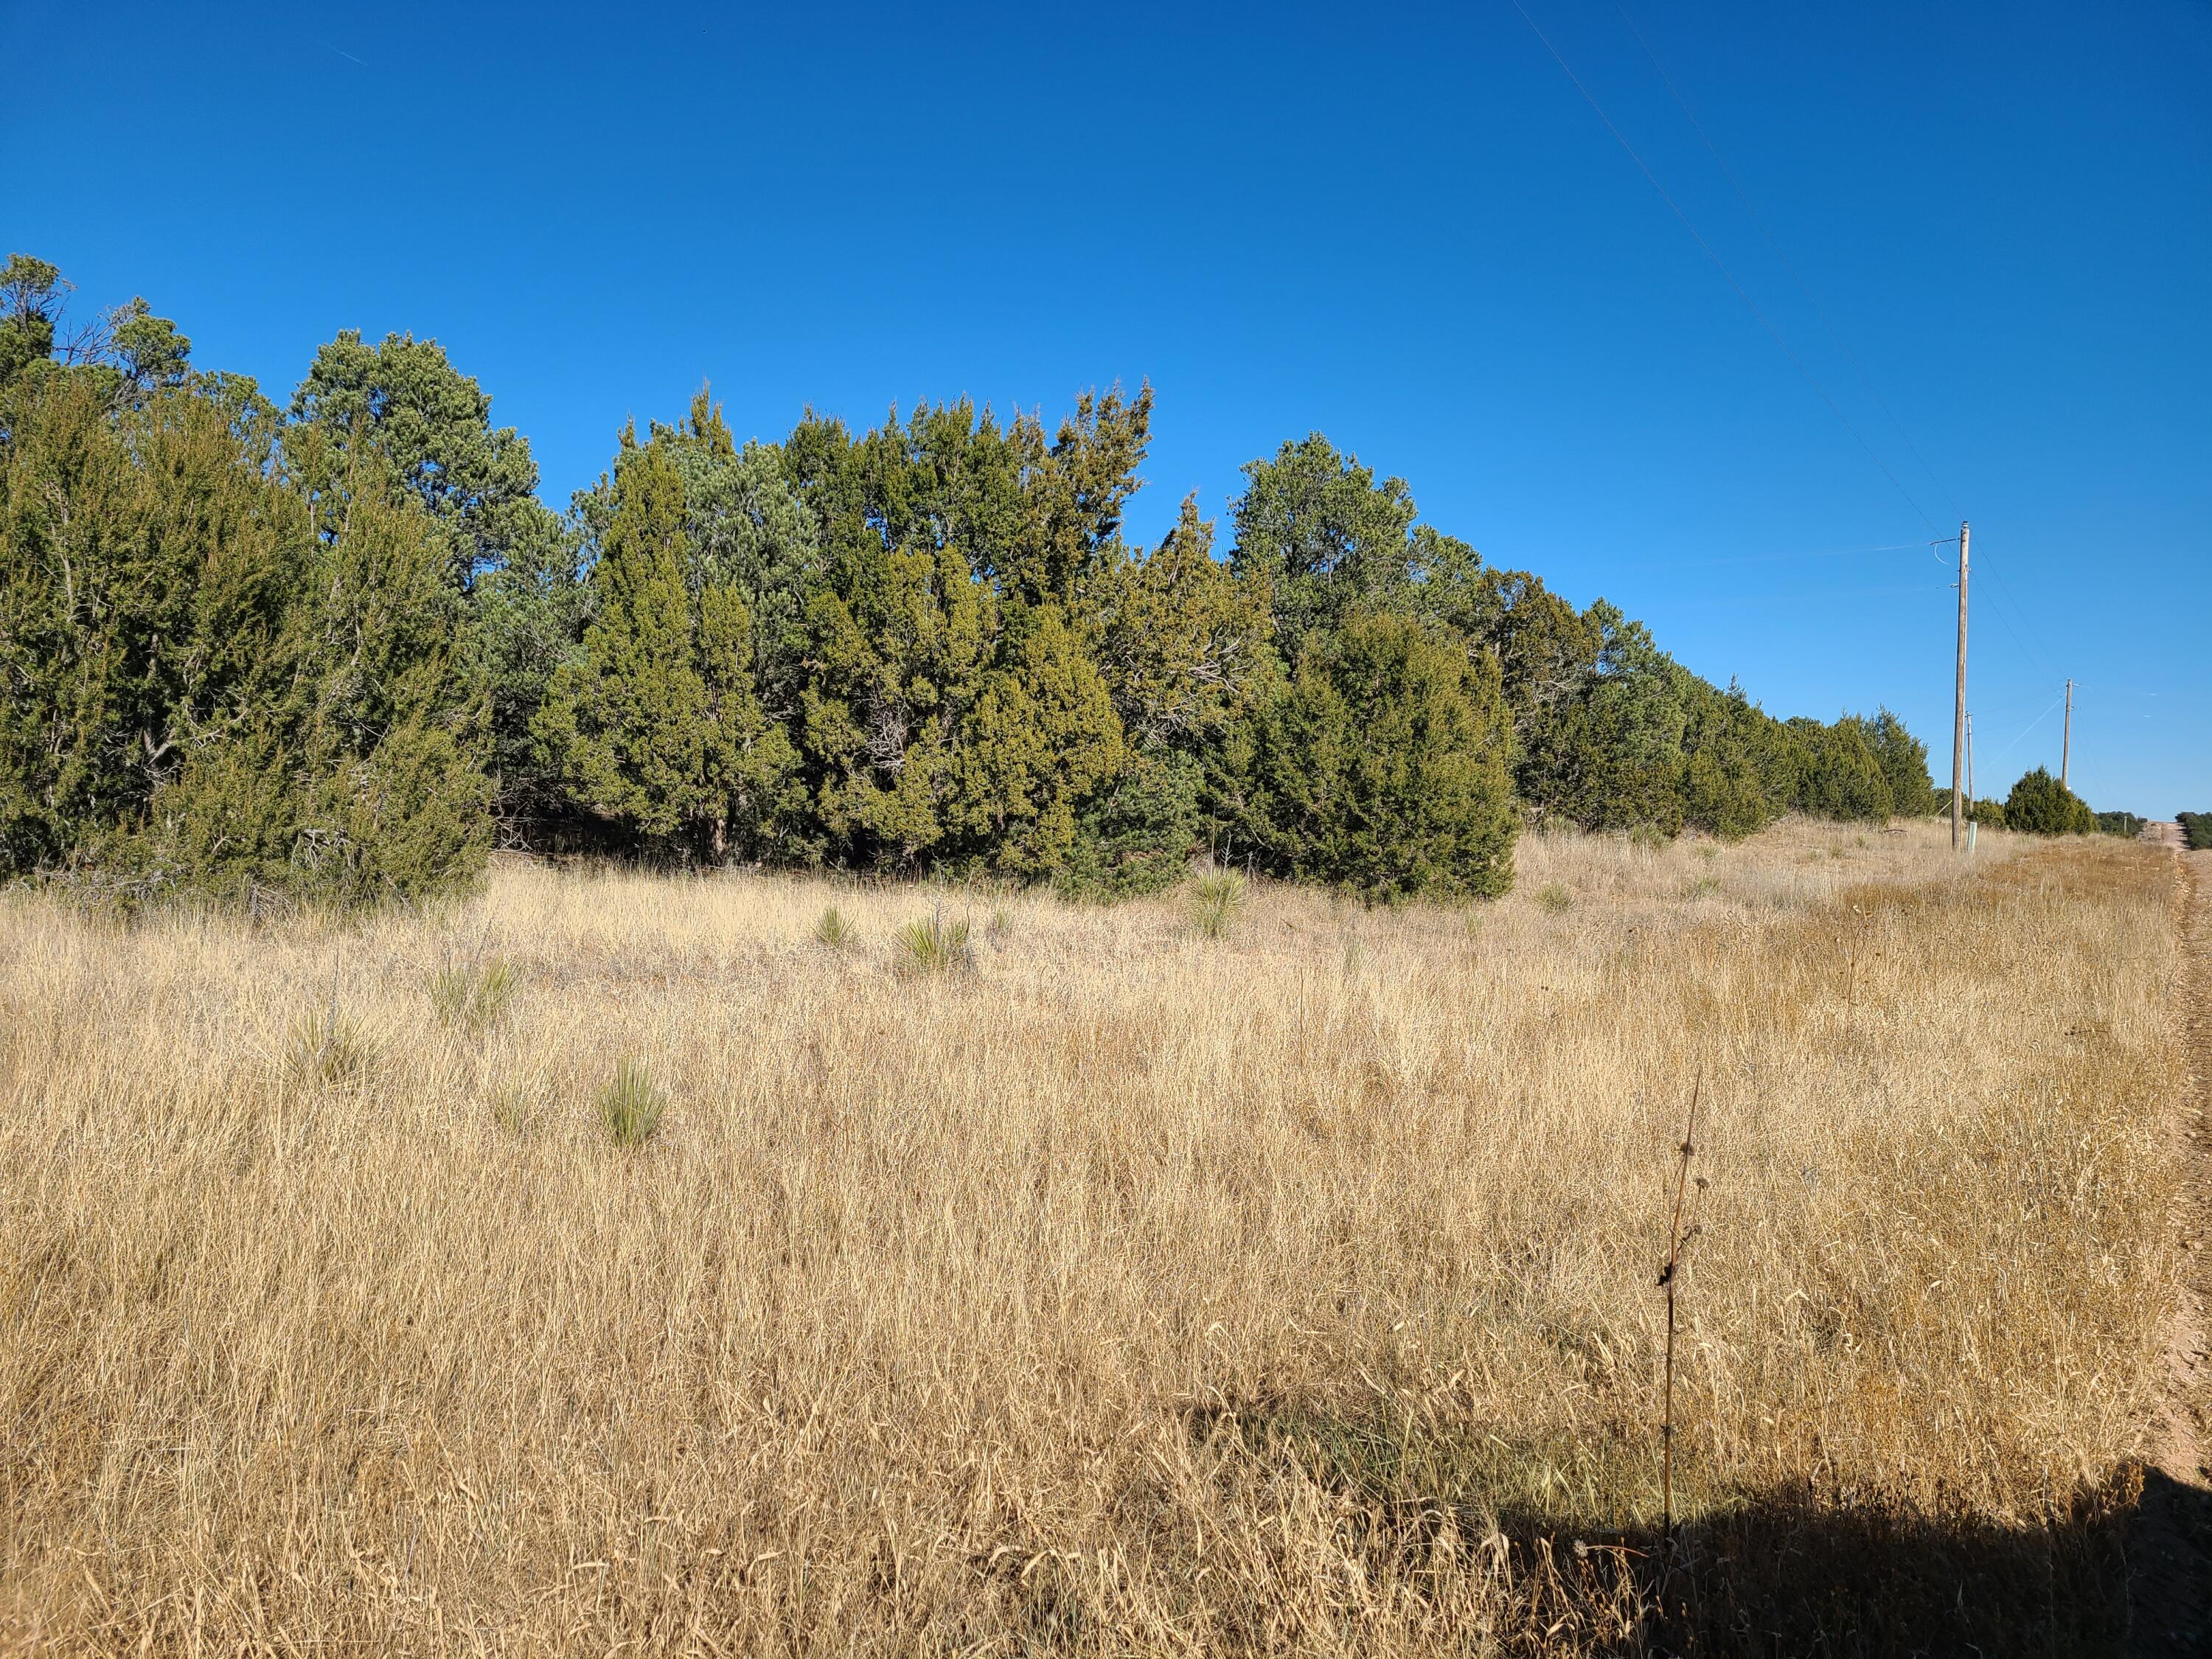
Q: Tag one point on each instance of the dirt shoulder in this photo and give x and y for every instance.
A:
(2171, 1541)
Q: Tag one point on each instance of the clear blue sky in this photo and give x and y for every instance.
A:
(1401, 226)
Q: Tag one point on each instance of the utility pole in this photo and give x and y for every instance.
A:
(2066, 748)
(1958, 699)
(1970, 759)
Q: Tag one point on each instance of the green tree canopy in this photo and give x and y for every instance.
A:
(1315, 527)
(1383, 766)
(2041, 805)
(433, 425)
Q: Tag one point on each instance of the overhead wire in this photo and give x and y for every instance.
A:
(2025, 730)
(1785, 558)
(2000, 591)
(1858, 365)
(1721, 265)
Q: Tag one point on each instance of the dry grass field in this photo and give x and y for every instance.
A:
(1125, 1290)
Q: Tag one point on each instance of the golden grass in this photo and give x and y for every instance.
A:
(1130, 1291)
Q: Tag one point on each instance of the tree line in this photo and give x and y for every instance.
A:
(334, 651)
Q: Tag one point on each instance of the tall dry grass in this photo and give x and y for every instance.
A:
(1130, 1290)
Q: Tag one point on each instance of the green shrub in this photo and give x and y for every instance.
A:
(1842, 775)
(1383, 767)
(1554, 898)
(832, 929)
(2041, 805)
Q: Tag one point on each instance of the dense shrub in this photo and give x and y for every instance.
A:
(206, 691)
(1841, 774)
(1382, 767)
(2041, 805)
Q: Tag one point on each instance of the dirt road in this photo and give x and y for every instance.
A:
(2171, 1542)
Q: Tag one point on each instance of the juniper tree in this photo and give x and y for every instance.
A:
(626, 721)
(2040, 805)
(1383, 766)
(1315, 527)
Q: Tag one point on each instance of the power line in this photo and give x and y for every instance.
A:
(2025, 730)
(1721, 265)
(1858, 366)
(2005, 599)
(1784, 558)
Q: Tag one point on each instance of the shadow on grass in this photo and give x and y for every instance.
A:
(1785, 1572)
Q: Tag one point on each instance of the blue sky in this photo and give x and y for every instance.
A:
(1401, 226)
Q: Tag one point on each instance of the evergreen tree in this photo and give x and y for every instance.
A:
(1608, 755)
(1726, 788)
(903, 641)
(1315, 526)
(2041, 805)
(147, 568)
(1183, 648)
(1903, 761)
(627, 720)
(1840, 775)
(433, 425)
(1040, 738)
(1383, 766)
(204, 695)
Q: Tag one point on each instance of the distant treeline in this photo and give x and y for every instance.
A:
(334, 651)
(2196, 829)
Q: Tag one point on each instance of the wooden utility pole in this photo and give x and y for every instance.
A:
(2066, 746)
(1970, 760)
(1958, 699)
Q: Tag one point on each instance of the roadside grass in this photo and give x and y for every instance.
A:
(1140, 1297)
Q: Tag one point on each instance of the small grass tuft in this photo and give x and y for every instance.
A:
(513, 1108)
(1002, 921)
(329, 1048)
(472, 996)
(931, 944)
(1703, 887)
(632, 1105)
(1553, 898)
(1217, 897)
(832, 929)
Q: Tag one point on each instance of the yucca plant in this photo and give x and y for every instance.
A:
(329, 1048)
(631, 1106)
(1215, 898)
(512, 1107)
(832, 929)
(931, 944)
(472, 996)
